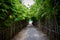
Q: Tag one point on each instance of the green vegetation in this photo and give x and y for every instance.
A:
(11, 11)
(44, 8)
(14, 16)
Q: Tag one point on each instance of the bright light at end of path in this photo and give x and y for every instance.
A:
(28, 3)
(30, 22)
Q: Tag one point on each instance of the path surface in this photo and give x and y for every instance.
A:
(30, 33)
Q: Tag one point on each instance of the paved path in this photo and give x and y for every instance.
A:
(30, 33)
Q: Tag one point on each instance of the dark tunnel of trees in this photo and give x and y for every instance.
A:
(14, 18)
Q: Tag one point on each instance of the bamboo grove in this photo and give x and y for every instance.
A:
(14, 14)
(11, 11)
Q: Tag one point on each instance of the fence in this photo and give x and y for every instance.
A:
(9, 32)
(51, 28)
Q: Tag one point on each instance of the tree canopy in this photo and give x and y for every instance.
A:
(44, 8)
(12, 11)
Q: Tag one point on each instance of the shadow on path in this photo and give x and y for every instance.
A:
(30, 33)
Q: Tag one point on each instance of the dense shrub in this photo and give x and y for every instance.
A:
(11, 11)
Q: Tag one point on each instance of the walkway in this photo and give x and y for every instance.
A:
(30, 33)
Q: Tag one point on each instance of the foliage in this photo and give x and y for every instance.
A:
(44, 8)
(11, 11)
